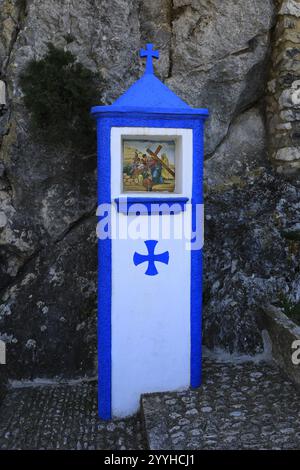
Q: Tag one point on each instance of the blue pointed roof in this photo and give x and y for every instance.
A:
(149, 95)
(150, 92)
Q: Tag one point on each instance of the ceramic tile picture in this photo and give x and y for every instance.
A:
(148, 165)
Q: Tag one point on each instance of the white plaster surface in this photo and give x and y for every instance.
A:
(150, 314)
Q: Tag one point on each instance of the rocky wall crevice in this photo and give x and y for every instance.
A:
(18, 18)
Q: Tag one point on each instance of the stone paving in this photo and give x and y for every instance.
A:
(62, 417)
(240, 406)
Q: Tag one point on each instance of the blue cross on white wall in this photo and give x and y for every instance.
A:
(149, 53)
(151, 258)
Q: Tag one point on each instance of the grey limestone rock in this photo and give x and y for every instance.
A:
(213, 56)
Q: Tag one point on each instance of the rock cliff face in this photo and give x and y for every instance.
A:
(252, 258)
(214, 54)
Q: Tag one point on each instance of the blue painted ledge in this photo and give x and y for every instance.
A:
(151, 205)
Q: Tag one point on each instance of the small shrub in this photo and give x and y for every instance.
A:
(58, 93)
(291, 309)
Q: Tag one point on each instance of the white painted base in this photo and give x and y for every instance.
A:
(150, 314)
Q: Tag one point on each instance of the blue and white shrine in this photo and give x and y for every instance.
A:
(150, 230)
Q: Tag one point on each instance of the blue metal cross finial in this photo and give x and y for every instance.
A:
(149, 53)
(151, 258)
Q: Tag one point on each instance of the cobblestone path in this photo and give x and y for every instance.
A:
(240, 406)
(62, 417)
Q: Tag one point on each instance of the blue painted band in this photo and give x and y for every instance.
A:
(104, 277)
(148, 113)
(151, 205)
(196, 260)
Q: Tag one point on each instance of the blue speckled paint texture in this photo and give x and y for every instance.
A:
(151, 205)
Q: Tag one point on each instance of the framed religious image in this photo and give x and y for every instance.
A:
(148, 165)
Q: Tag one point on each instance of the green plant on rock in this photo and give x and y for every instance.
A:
(58, 93)
(291, 309)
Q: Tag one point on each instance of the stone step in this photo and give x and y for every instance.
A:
(239, 406)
